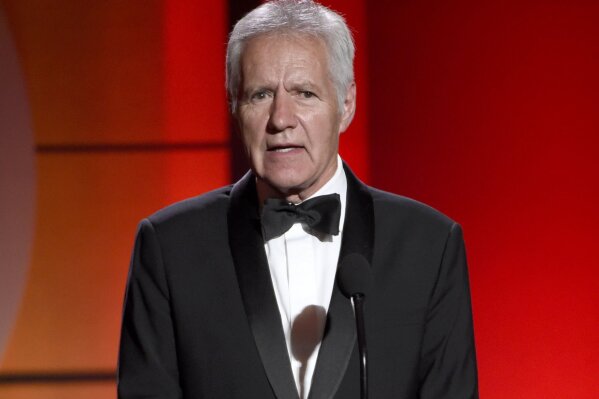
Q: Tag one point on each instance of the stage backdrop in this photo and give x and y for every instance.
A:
(488, 111)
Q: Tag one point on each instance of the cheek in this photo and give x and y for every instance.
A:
(250, 132)
(328, 131)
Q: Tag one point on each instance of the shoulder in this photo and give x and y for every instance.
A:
(207, 207)
(412, 229)
(402, 210)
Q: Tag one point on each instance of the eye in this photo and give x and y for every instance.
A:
(307, 94)
(259, 95)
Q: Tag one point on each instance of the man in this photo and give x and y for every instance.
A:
(233, 294)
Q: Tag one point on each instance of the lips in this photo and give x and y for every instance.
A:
(283, 148)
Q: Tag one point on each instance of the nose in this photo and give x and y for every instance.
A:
(282, 113)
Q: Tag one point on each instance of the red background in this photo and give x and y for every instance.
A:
(490, 113)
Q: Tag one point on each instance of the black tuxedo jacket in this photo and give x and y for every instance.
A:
(201, 318)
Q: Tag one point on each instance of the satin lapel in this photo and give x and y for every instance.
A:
(340, 332)
(255, 284)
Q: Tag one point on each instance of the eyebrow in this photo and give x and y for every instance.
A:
(304, 83)
(253, 89)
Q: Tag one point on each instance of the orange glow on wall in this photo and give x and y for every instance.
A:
(128, 112)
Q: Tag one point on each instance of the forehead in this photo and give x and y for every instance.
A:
(268, 53)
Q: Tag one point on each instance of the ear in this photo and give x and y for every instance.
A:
(349, 107)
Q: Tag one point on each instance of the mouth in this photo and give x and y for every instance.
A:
(283, 148)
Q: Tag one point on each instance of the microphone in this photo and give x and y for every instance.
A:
(355, 280)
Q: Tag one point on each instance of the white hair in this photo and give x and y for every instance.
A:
(297, 17)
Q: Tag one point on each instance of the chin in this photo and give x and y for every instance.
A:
(287, 184)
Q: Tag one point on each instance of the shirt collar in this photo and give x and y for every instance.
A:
(336, 185)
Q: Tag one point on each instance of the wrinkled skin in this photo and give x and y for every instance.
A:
(288, 115)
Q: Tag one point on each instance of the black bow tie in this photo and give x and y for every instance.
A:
(320, 213)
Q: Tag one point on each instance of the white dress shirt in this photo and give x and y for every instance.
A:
(302, 268)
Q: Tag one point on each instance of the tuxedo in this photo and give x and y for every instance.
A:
(201, 318)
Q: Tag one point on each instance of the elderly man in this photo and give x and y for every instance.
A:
(233, 294)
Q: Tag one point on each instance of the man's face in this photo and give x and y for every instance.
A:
(288, 114)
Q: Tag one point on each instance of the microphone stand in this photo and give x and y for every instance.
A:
(358, 302)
